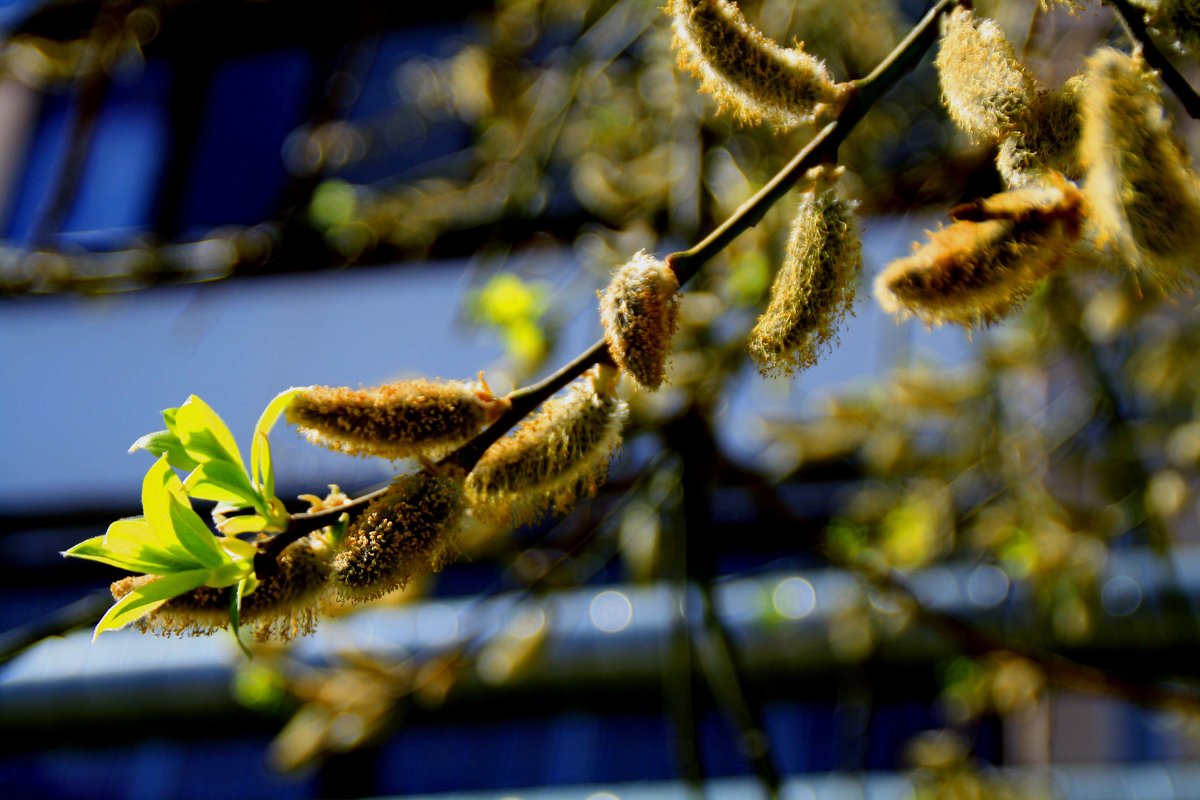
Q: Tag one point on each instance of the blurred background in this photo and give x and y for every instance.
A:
(935, 565)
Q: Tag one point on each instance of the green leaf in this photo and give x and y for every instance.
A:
(235, 614)
(230, 573)
(94, 549)
(195, 535)
(136, 539)
(245, 523)
(166, 443)
(144, 599)
(174, 526)
(260, 447)
(203, 433)
(224, 482)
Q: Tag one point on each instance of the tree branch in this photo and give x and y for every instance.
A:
(1133, 20)
(821, 148)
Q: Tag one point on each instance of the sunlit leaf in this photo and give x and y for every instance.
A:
(94, 549)
(260, 447)
(224, 482)
(166, 443)
(203, 433)
(244, 523)
(144, 599)
(173, 525)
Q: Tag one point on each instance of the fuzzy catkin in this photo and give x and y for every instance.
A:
(985, 87)
(814, 289)
(981, 267)
(745, 70)
(283, 605)
(555, 456)
(405, 533)
(1047, 138)
(1142, 194)
(640, 311)
(395, 420)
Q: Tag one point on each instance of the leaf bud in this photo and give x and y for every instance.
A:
(747, 71)
(640, 311)
(554, 456)
(395, 420)
(405, 533)
(1142, 195)
(977, 269)
(985, 87)
(814, 289)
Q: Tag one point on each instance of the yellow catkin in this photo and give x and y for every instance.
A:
(283, 605)
(985, 87)
(745, 70)
(640, 311)
(407, 532)
(978, 269)
(1142, 195)
(395, 420)
(1047, 139)
(555, 456)
(814, 289)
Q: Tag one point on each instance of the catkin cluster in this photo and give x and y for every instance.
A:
(395, 420)
(282, 606)
(553, 457)
(980, 267)
(815, 287)
(745, 70)
(1142, 195)
(993, 97)
(639, 312)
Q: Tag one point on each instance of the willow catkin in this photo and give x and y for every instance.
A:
(745, 70)
(282, 606)
(814, 289)
(405, 533)
(1047, 139)
(639, 312)
(395, 420)
(555, 456)
(985, 87)
(1142, 195)
(979, 268)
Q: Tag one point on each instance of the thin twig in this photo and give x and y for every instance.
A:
(1133, 20)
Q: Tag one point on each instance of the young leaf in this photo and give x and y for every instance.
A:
(166, 443)
(138, 539)
(244, 523)
(224, 482)
(260, 448)
(203, 433)
(173, 525)
(144, 599)
(145, 560)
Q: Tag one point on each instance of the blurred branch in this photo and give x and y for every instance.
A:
(1059, 670)
(1134, 22)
